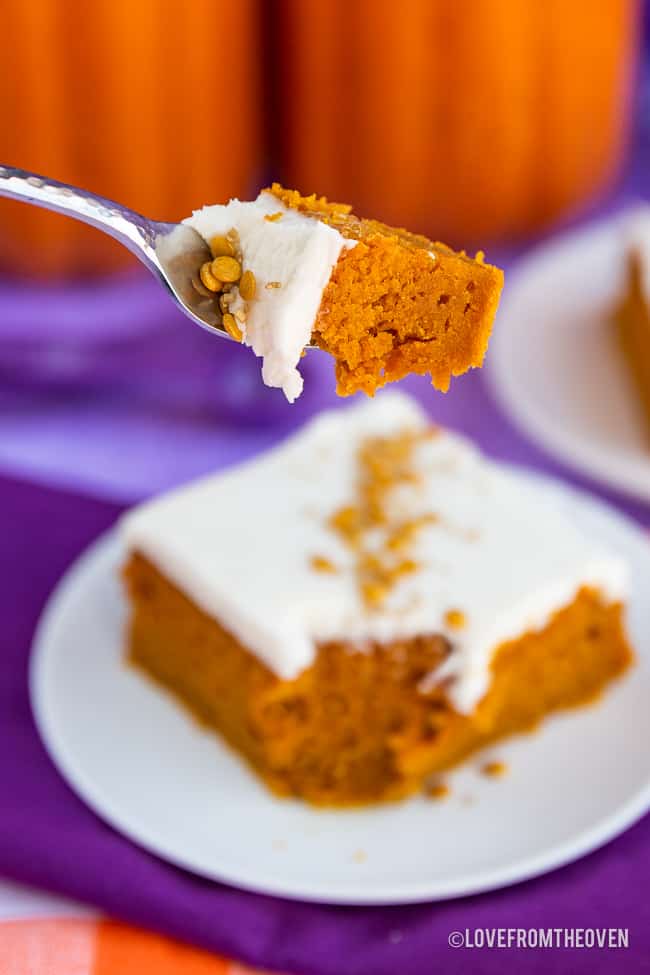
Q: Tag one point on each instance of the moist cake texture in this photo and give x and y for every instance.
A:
(368, 603)
(398, 303)
(382, 301)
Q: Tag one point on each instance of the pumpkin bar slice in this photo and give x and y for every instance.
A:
(382, 301)
(368, 603)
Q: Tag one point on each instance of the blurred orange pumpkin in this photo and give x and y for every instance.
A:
(470, 121)
(152, 102)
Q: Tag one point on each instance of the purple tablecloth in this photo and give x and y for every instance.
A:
(48, 838)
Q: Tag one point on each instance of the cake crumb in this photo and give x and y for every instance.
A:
(270, 285)
(222, 246)
(359, 856)
(232, 328)
(494, 770)
(374, 594)
(346, 522)
(226, 269)
(247, 286)
(273, 217)
(319, 563)
(405, 533)
(437, 790)
(455, 618)
(208, 279)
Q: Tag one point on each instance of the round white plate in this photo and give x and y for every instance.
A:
(146, 768)
(554, 365)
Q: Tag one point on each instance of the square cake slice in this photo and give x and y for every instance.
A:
(290, 270)
(368, 603)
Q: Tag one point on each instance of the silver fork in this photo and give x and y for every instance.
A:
(172, 252)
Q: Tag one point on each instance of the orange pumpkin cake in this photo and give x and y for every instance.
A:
(290, 270)
(368, 603)
(632, 313)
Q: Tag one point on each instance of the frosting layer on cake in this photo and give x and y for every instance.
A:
(292, 257)
(491, 559)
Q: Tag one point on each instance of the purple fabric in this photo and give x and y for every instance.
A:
(49, 839)
(117, 393)
(105, 386)
(123, 334)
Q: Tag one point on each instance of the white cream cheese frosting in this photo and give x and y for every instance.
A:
(292, 259)
(504, 554)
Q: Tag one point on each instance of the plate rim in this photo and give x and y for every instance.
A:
(521, 870)
(578, 457)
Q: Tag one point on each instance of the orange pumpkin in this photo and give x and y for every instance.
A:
(469, 121)
(151, 102)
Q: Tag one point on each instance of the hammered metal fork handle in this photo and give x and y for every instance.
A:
(130, 228)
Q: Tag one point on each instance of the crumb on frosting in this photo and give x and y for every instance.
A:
(319, 563)
(456, 619)
(384, 463)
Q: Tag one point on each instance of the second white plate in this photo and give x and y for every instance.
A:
(150, 771)
(553, 363)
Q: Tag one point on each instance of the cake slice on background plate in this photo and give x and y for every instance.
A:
(368, 603)
(631, 315)
(289, 271)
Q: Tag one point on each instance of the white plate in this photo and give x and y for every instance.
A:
(142, 765)
(554, 365)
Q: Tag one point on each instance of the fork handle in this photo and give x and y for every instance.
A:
(130, 228)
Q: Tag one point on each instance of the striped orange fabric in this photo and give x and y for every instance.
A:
(123, 950)
(71, 946)
(52, 946)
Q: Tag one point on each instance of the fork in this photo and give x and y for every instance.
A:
(171, 251)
